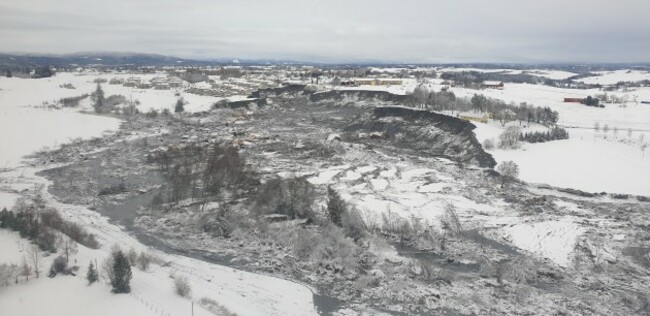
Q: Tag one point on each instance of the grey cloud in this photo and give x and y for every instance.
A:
(336, 30)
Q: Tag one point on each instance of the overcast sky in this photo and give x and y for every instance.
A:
(336, 30)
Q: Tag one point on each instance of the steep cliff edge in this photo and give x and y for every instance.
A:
(424, 132)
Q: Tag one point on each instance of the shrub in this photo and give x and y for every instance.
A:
(72, 101)
(46, 240)
(214, 307)
(114, 100)
(152, 113)
(182, 286)
(488, 144)
(59, 265)
(223, 222)
(508, 169)
(116, 80)
(326, 247)
(144, 260)
(518, 270)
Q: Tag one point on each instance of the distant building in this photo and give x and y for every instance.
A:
(132, 81)
(482, 118)
(493, 85)
(573, 100)
(175, 82)
(377, 82)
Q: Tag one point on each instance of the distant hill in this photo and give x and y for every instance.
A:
(106, 59)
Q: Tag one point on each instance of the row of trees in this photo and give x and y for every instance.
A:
(41, 225)
(555, 133)
(474, 79)
(497, 109)
(591, 101)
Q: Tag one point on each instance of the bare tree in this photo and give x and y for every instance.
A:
(107, 269)
(132, 256)
(505, 116)
(68, 246)
(508, 169)
(34, 254)
(25, 269)
(509, 139)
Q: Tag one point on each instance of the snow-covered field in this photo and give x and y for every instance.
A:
(589, 160)
(612, 77)
(584, 162)
(31, 127)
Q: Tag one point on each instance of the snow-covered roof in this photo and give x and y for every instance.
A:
(492, 83)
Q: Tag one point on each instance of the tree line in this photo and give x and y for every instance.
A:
(497, 109)
(555, 133)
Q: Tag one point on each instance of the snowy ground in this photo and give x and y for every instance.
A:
(27, 129)
(613, 77)
(402, 190)
(589, 160)
(586, 161)
(240, 292)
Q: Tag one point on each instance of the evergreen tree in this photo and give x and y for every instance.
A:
(92, 276)
(121, 279)
(98, 96)
(335, 206)
(179, 106)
